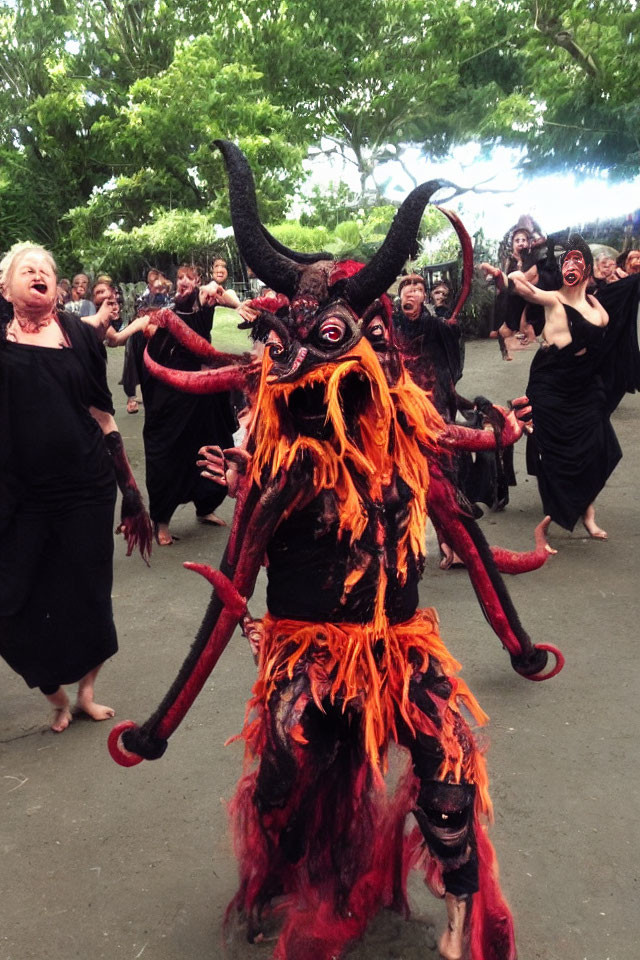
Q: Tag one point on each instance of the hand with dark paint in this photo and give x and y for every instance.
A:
(135, 524)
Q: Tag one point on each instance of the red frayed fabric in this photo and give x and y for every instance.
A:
(492, 934)
(354, 864)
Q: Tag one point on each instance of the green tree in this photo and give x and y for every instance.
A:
(371, 76)
(107, 111)
(578, 104)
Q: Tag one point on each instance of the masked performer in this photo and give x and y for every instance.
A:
(60, 458)
(334, 494)
(588, 360)
(432, 352)
(176, 425)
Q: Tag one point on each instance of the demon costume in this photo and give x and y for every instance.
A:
(334, 491)
(58, 476)
(573, 391)
(176, 425)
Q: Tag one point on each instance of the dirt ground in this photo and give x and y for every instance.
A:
(102, 862)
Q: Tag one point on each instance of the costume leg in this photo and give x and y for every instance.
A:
(444, 810)
(448, 814)
(306, 828)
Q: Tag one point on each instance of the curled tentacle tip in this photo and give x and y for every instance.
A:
(118, 752)
(556, 668)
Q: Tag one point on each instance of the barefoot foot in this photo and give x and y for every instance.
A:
(94, 710)
(592, 528)
(447, 556)
(162, 535)
(212, 519)
(447, 949)
(61, 719)
(453, 942)
(596, 532)
(61, 710)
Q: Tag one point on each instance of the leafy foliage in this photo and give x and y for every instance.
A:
(108, 106)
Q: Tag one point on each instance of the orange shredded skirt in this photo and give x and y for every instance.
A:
(347, 663)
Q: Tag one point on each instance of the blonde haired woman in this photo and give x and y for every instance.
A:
(60, 458)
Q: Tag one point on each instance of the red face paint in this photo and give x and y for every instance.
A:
(573, 268)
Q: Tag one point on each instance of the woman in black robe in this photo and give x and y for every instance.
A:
(177, 424)
(589, 359)
(60, 458)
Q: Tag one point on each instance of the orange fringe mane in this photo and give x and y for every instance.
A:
(396, 428)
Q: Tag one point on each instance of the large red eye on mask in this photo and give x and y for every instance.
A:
(573, 268)
(332, 330)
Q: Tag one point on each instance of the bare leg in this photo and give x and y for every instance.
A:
(590, 525)
(452, 942)
(503, 333)
(62, 711)
(85, 701)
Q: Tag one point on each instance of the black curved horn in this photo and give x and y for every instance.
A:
(270, 265)
(303, 258)
(400, 244)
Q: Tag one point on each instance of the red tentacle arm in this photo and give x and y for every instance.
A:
(192, 341)
(257, 518)
(457, 437)
(198, 381)
(514, 562)
(464, 536)
(467, 260)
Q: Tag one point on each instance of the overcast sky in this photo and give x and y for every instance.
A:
(562, 200)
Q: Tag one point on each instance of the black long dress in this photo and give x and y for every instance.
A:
(573, 390)
(177, 424)
(57, 498)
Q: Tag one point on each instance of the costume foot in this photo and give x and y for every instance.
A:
(594, 531)
(212, 520)
(95, 710)
(61, 719)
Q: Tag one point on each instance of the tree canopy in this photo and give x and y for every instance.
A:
(108, 108)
